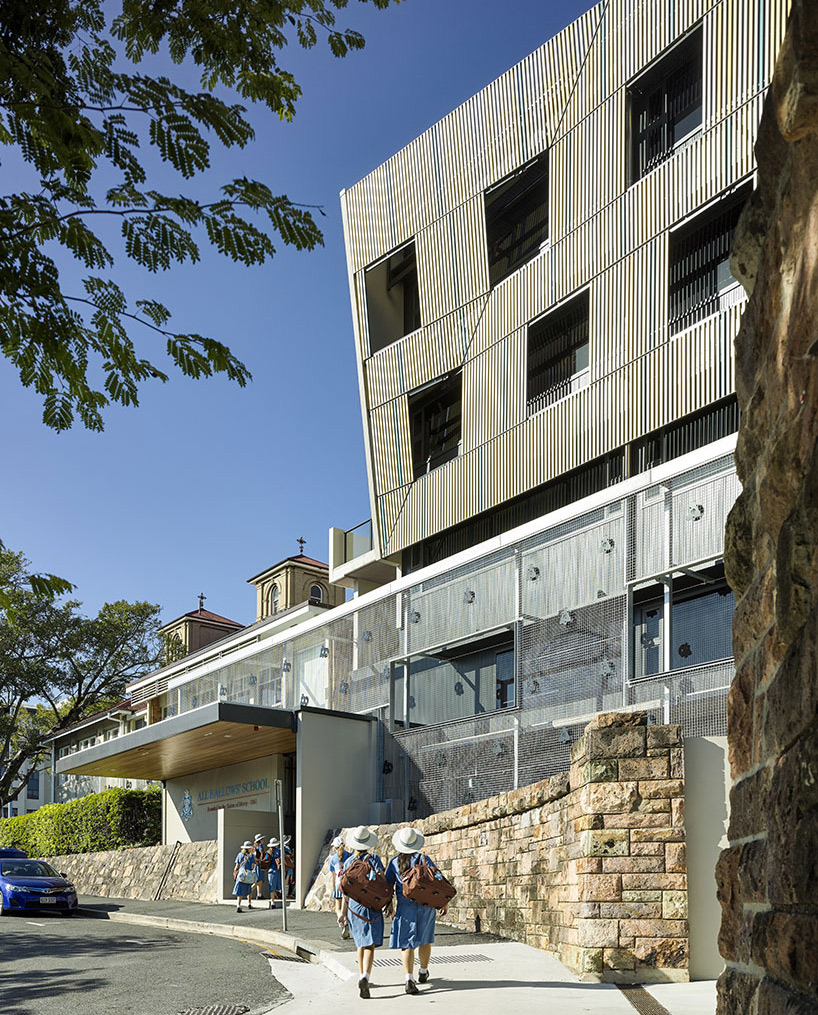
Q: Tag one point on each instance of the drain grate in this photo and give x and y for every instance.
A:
(644, 1002)
(439, 959)
(285, 958)
(217, 1009)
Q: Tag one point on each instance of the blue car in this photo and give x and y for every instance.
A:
(33, 884)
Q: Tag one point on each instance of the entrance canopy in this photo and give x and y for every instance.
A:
(209, 737)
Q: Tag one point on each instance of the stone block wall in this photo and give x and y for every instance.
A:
(136, 873)
(768, 877)
(589, 864)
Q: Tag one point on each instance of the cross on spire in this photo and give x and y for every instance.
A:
(301, 542)
(202, 598)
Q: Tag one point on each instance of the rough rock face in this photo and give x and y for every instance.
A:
(589, 864)
(136, 873)
(768, 877)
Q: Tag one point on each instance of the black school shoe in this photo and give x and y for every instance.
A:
(363, 987)
(423, 977)
(411, 987)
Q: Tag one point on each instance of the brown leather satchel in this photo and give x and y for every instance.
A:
(264, 862)
(421, 884)
(357, 882)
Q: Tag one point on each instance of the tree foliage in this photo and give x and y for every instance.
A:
(79, 115)
(58, 666)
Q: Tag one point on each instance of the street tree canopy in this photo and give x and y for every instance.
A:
(58, 666)
(80, 118)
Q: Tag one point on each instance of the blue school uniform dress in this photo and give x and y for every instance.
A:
(335, 868)
(413, 924)
(274, 874)
(247, 861)
(365, 925)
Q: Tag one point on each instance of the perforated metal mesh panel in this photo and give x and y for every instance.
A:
(560, 600)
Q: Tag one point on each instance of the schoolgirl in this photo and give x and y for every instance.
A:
(244, 866)
(338, 857)
(365, 924)
(259, 855)
(414, 924)
(274, 871)
(288, 868)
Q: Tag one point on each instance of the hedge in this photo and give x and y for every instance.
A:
(115, 819)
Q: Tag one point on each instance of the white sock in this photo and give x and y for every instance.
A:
(409, 976)
(365, 976)
(422, 970)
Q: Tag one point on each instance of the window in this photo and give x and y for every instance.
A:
(685, 624)
(317, 593)
(274, 599)
(688, 434)
(517, 218)
(33, 786)
(434, 423)
(666, 106)
(505, 679)
(392, 298)
(700, 280)
(558, 354)
(455, 683)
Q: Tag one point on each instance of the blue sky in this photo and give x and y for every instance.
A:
(205, 483)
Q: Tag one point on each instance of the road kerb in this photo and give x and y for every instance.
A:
(306, 949)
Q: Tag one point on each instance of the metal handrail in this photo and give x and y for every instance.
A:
(168, 866)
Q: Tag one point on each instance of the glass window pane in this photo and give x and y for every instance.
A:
(702, 628)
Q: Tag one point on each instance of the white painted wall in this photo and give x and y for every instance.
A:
(336, 781)
(707, 808)
(233, 828)
(249, 786)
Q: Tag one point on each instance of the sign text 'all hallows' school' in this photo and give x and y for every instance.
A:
(224, 795)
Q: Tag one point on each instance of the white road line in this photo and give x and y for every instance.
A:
(31, 923)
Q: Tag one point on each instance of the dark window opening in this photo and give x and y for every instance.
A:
(444, 684)
(558, 354)
(666, 106)
(316, 593)
(688, 434)
(686, 624)
(701, 283)
(392, 298)
(506, 697)
(33, 786)
(517, 218)
(434, 423)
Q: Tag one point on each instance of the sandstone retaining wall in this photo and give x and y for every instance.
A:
(768, 877)
(136, 873)
(589, 864)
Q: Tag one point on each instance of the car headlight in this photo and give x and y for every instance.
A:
(20, 889)
(70, 889)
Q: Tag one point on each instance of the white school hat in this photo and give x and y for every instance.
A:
(362, 838)
(337, 841)
(258, 838)
(247, 845)
(408, 840)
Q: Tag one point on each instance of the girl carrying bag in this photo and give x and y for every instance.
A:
(361, 882)
(423, 885)
(246, 875)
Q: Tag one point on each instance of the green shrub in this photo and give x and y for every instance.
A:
(115, 819)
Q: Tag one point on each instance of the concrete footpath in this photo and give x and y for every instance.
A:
(467, 969)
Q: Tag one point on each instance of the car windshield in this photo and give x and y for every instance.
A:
(27, 869)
